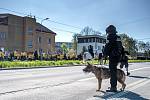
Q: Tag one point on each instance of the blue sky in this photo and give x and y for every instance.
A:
(129, 16)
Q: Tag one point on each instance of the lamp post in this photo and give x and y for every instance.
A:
(41, 51)
(43, 20)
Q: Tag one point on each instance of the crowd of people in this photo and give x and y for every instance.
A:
(18, 55)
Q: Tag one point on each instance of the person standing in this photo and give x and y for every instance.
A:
(113, 49)
(1, 55)
(100, 58)
(35, 55)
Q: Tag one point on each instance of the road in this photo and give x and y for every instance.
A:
(70, 83)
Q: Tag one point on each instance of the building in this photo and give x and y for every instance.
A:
(58, 45)
(96, 42)
(25, 34)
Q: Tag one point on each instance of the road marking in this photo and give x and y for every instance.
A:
(81, 80)
(138, 69)
(134, 84)
(130, 87)
(112, 96)
(86, 79)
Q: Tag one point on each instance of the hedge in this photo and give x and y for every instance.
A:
(30, 64)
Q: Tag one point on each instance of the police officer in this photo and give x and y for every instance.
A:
(113, 49)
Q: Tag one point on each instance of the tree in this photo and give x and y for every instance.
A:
(147, 46)
(144, 48)
(89, 31)
(64, 48)
(141, 46)
(129, 44)
(71, 54)
(148, 49)
(74, 41)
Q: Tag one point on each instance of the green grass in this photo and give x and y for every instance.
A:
(137, 61)
(30, 64)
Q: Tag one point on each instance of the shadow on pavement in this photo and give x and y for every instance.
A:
(139, 77)
(125, 95)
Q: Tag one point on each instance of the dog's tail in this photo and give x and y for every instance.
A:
(123, 76)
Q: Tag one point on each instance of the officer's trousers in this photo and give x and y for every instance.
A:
(113, 73)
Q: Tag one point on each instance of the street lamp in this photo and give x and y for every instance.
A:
(43, 20)
(40, 51)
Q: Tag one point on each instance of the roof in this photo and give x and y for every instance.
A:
(8, 14)
(89, 36)
(40, 27)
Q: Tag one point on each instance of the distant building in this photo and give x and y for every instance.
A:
(25, 34)
(58, 45)
(95, 41)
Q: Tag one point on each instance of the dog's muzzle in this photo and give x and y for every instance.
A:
(86, 71)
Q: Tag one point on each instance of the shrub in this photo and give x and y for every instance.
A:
(29, 64)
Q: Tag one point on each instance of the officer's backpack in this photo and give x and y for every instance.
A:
(113, 49)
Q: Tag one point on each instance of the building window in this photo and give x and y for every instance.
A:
(96, 39)
(104, 40)
(49, 41)
(30, 30)
(39, 39)
(2, 36)
(3, 20)
(86, 40)
(100, 40)
(90, 39)
(80, 40)
(70, 45)
(30, 44)
(93, 39)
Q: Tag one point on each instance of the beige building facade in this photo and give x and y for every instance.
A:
(25, 34)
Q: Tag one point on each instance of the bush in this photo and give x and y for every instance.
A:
(30, 64)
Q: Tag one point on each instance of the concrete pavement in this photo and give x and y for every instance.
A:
(70, 83)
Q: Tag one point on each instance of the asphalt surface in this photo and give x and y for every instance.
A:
(70, 83)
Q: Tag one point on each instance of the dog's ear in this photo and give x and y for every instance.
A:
(88, 63)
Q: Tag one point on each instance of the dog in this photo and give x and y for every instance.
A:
(104, 73)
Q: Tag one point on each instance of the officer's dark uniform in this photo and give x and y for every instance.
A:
(113, 49)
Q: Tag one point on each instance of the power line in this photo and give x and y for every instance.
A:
(43, 18)
(52, 28)
(13, 11)
(63, 30)
(75, 26)
(134, 21)
(60, 23)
